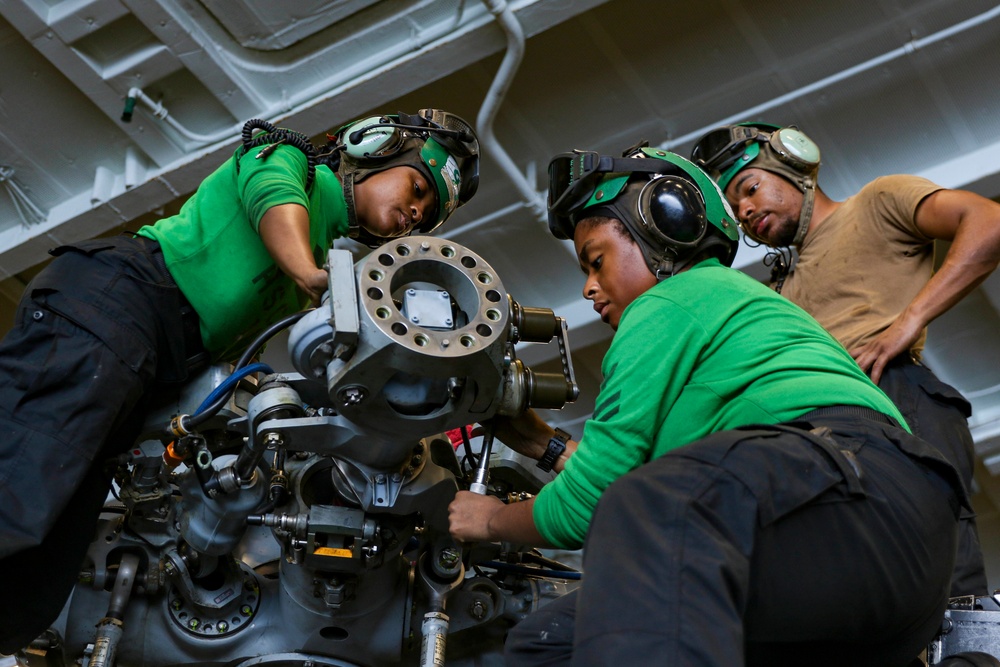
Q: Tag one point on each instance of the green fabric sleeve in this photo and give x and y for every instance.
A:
(707, 350)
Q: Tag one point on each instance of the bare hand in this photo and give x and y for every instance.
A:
(469, 515)
(314, 284)
(876, 354)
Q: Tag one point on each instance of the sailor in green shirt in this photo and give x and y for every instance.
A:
(757, 469)
(247, 247)
(108, 321)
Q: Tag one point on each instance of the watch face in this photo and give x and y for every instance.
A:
(794, 143)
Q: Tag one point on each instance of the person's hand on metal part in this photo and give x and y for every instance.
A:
(315, 284)
(469, 516)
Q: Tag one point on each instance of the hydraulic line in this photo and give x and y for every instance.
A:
(185, 424)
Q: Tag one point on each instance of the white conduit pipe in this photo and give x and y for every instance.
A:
(533, 199)
(910, 47)
(301, 97)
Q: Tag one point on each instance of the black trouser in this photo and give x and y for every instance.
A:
(762, 547)
(94, 331)
(938, 413)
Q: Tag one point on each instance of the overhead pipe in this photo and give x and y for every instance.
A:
(907, 49)
(158, 110)
(533, 199)
(537, 203)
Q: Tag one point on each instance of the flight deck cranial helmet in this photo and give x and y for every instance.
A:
(442, 146)
(785, 151)
(671, 208)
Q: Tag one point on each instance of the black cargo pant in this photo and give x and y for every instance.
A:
(764, 546)
(938, 413)
(95, 330)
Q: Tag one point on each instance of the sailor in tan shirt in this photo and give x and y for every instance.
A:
(865, 271)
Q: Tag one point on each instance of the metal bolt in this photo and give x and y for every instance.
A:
(194, 623)
(415, 319)
(37, 315)
(448, 558)
(176, 604)
(246, 610)
(222, 626)
(425, 246)
(352, 395)
(411, 292)
(478, 610)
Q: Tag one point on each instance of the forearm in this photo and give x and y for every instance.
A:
(515, 523)
(529, 435)
(949, 285)
(284, 230)
(972, 224)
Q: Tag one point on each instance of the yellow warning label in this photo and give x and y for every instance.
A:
(331, 551)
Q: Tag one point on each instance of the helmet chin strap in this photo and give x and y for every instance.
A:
(808, 199)
(664, 269)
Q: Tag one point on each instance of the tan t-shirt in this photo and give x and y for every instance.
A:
(862, 265)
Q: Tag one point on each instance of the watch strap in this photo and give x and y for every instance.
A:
(555, 449)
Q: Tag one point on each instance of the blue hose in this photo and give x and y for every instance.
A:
(229, 384)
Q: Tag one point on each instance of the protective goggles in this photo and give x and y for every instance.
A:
(726, 150)
(574, 179)
(382, 137)
(449, 130)
(720, 148)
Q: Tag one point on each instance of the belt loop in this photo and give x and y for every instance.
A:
(843, 458)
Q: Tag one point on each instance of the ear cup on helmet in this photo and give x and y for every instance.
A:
(672, 208)
(367, 138)
(794, 147)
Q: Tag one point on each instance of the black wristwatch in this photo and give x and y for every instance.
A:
(557, 445)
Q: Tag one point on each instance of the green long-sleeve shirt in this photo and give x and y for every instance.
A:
(707, 350)
(214, 252)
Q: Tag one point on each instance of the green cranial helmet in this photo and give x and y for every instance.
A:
(442, 146)
(786, 151)
(672, 209)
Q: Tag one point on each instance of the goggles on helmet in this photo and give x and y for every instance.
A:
(726, 150)
(581, 179)
(671, 208)
(438, 143)
(584, 179)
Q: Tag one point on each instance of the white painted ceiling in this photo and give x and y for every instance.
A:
(884, 86)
